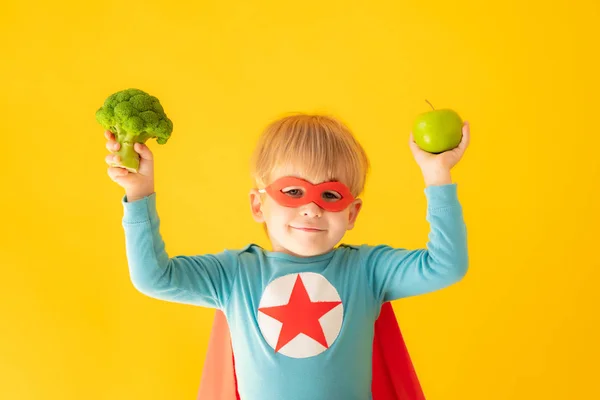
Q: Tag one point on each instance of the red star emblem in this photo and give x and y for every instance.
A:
(300, 315)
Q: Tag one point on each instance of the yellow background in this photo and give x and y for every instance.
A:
(523, 324)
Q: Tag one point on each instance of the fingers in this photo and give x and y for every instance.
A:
(466, 136)
(115, 173)
(143, 151)
(111, 143)
(112, 159)
(411, 141)
(464, 141)
(414, 147)
(109, 135)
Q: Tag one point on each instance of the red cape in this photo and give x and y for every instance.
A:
(394, 376)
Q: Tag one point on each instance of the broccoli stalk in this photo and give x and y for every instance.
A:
(134, 117)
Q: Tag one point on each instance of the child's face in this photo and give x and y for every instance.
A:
(303, 229)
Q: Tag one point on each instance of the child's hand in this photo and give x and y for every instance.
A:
(136, 185)
(436, 167)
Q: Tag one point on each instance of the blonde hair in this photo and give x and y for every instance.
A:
(315, 147)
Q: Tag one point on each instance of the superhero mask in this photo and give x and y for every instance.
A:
(330, 196)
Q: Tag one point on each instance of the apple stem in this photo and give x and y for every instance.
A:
(433, 108)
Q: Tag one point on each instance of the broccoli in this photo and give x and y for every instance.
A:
(134, 116)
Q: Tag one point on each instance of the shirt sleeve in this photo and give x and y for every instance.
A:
(203, 280)
(395, 273)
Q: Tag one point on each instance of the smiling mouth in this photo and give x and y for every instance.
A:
(309, 229)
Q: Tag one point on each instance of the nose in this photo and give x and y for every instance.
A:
(311, 210)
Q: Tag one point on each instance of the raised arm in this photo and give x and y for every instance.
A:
(395, 273)
(203, 280)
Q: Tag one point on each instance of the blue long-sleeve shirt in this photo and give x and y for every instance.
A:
(301, 327)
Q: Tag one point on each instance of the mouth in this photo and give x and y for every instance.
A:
(308, 229)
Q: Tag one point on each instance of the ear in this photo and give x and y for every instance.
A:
(256, 206)
(355, 208)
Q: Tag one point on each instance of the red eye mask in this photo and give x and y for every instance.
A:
(330, 196)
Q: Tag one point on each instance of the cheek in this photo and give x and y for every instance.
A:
(276, 214)
(338, 222)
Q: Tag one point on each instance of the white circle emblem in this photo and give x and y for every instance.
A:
(300, 315)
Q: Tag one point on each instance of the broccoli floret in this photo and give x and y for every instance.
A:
(134, 116)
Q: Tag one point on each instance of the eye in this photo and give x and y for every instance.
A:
(330, 195)
(293, 192)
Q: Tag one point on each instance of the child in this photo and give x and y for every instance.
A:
(301, 315)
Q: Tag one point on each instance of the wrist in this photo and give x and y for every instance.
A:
(138, 194)
(437, 178)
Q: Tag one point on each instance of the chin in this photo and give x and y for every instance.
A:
(309, 251)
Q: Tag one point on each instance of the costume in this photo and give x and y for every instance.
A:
(301, 327)
(394, 377)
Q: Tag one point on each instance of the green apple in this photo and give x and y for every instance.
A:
(437, 131)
